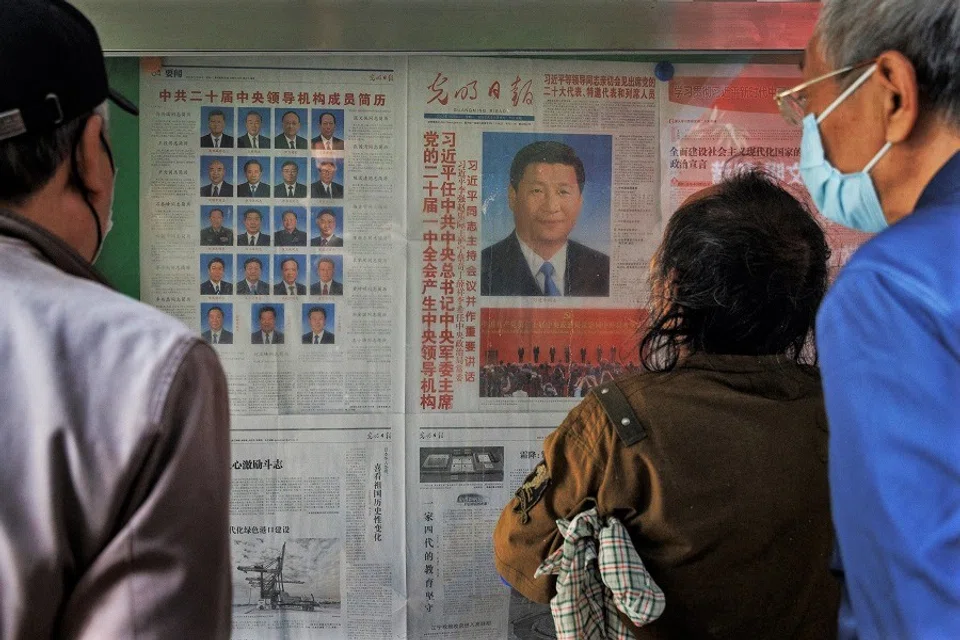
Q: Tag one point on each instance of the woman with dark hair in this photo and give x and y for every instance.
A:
(714, 459)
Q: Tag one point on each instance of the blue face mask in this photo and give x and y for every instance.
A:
(849, 199)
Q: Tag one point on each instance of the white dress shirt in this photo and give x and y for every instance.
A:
(534, 261)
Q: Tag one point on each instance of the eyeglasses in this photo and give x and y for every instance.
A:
(793, 106)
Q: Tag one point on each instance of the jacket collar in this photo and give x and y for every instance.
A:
(49, 246)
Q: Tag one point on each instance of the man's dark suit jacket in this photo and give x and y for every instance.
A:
(243, 142)
(226, 142)
(334, 241)
(280, 142)
(299, 190)
(211, 237)
(226, 288)
(297, 238)
(226, 190)
(244, 190)
(337, 143)
(263, 240)
(280, 289)
(225, 337)
(244, 290)
(327, 338)
(257, 337)
(336, 288)
(316, 190)
(504, 271)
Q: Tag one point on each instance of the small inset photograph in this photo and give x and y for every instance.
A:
(256, 226)
(293, 172)
(461, 464)
(216, 176)
(255, 271)
(555, 353)
(216, 322)
(254, 128)
(327, 275)
(297, 579)
(216, 128)
(290, 224)
(290, 127)
(257, 180)
(291, 272)
(267, 322)
(328, 184)
(216, 274)
(320, 322)
(327, 228)
(216, 225)
(327, 129)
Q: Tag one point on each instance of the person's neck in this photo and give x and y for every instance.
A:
(60, 210)
(545, 250)
(917, 161)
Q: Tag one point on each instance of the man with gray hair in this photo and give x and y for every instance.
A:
(115, 422)
(880, 110)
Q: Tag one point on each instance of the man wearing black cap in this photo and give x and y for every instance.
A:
(115, 421)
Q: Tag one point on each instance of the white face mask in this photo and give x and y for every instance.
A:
(109, 225)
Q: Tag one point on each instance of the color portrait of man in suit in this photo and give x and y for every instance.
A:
(289, 235)
(254, 237)
(327, 226)
(326, 285)
(253, 187)
(252, 285)
(252, 138)
(215, 284)
(290, 138)
(325, 187)
(326, 139)
(318, 333)
(217, 188)
(216, 139)
(288, 285)
(216, 334)
(268, 333)
(538, 259)
(290, 188)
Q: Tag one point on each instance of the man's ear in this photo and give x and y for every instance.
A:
(93, 161)
(511, 197)
(901, 102)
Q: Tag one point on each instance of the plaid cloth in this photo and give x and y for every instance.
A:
(591, 588)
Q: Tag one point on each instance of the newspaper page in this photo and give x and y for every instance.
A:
(270, 225)
(462, 469)
(489, 332)
(498, 356)
(715, 118)
(317, 529)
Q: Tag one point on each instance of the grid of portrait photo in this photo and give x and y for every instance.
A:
(271, 222)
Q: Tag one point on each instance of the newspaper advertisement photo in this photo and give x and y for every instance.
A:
(317, 529)
(533, 185)
(720, 117)
(270, 224)
(467, 467)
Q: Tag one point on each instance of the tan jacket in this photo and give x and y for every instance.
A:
(725, 498)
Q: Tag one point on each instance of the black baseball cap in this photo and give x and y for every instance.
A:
(51, 67)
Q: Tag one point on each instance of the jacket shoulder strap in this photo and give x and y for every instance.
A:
(620, 413)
